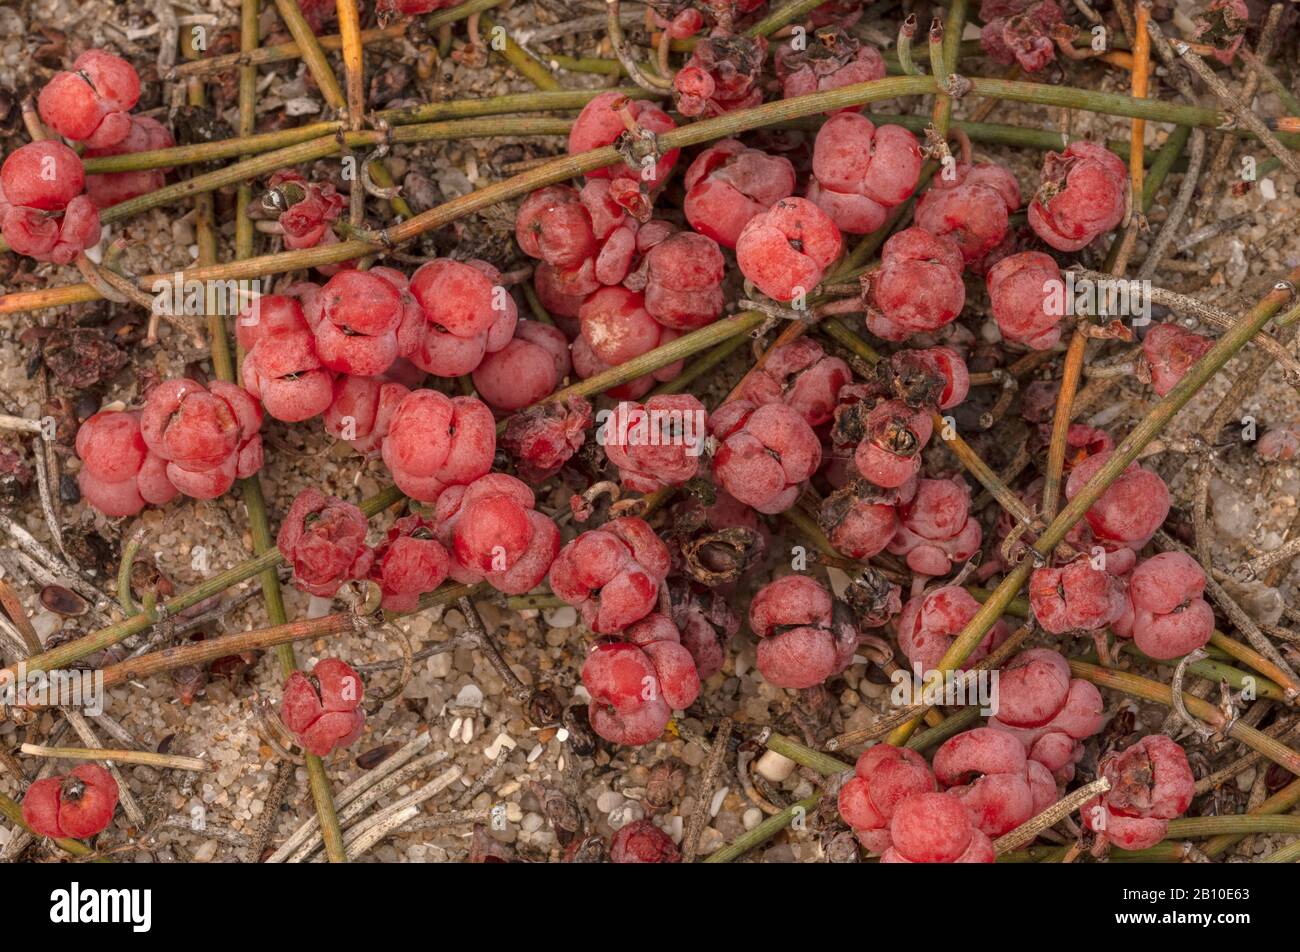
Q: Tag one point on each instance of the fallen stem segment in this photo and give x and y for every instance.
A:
(1070, 376)
(1124, 454)
(149, 758)
(201, 652)
(1028, 831)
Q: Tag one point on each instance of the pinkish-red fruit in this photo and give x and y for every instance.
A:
(1049, 712)
(1168, 352)
(1027, 295)
(766, 453)
(834, 59)
(324, 539)
(918, 288)
(893, 435)
(636, 684)
(1075, 598)
(1020, 31)
(1170, 616)
(786, 250)
(935, 528)
(800, 375)
(612, 574)
(722, 74)
(684, 281)
(930, 623)
(641, 841)
(655, 444)
(884, 777)
(435, 441)
(494, 533)
(1128, 513)
(860, 171)
(728, 184)
(42, 213)
(987, 769)
(323, 710)
(1082, 195)
(600, 124)
(409, 563)
(542, 439)
(935, 828)
(76, 806)
(1151, 783)
(972, 207)
(90, 102)
(800, 643)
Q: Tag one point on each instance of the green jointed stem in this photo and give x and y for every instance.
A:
(823, 763)
(764, 831)
(700, 367)
(523, 62)
(783, 16)
(1163, 164)
(954, 724)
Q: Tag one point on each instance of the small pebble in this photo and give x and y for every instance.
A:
(774, 767)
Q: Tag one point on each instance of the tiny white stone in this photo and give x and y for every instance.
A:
(609, 801)
(501, 740)
(775, 767)
(467, 730)
(319, 607)
(752, 818)
(455, 728)
(1267, 190)
(566, 616)
(562, 734)
(471, 695)
(716, 803)
(536, 752)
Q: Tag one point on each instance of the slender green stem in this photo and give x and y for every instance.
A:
(77, 649)
(523, 62)
(783, 16)
(669, 353)
(823, 763)
(764, 831)
(905, 34)
(700, 367)
(953, 725)
(1283, 801)
(129, 550)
